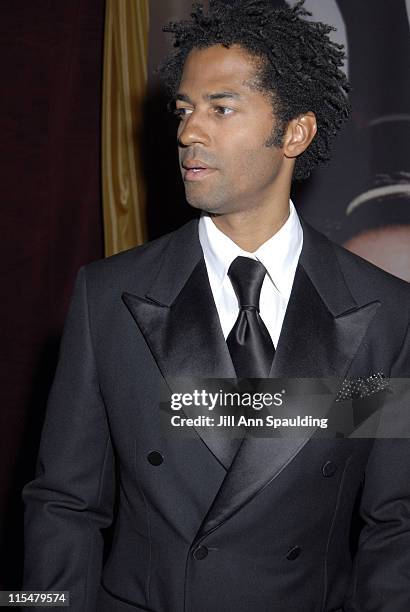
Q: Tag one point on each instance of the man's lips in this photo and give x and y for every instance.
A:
(197, 174)
(196, 170)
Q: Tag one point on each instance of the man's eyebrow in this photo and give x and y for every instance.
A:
(183, 97)
(220, 95)
(224, 94)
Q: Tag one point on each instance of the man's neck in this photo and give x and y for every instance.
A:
(249, 229)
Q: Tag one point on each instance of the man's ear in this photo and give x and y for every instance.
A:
(299, 134)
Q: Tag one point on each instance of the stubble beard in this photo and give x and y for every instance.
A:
(209, 203)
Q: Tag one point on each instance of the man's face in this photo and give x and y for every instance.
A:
(225, 123)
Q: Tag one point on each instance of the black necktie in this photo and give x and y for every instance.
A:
(249, 342)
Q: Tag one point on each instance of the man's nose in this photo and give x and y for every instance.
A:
(193, 130)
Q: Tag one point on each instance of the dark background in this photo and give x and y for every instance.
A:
(51, 57)
(51, 220)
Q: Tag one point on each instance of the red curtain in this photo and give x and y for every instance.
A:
(51, 222)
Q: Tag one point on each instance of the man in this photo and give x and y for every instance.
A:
(202, 522)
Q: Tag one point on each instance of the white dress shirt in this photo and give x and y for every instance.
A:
(279, 255)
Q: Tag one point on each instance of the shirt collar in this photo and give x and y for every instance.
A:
(279, 254)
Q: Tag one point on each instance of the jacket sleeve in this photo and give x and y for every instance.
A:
(381, 581)
(71, 498)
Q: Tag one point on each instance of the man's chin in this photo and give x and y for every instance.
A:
(204, 204)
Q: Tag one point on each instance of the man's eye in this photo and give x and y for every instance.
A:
(182, 112)
(223, 110)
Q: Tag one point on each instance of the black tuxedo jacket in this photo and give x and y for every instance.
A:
(195, 527)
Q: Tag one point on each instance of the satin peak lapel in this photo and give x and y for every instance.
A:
(321, 333)
(183, 332)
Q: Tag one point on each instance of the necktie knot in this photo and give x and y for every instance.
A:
(247, 277)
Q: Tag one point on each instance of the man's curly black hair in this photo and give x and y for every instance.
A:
(299, 67)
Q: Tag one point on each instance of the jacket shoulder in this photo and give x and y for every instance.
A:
(364, 277)
(365, 280)
(136, 268)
